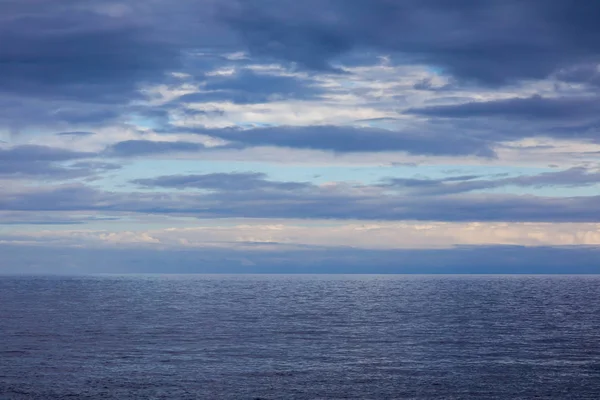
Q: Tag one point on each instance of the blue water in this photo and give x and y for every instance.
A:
(300, 337)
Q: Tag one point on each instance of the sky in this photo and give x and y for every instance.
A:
(372, 136)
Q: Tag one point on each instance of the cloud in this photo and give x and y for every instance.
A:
(221, 181)
(584, 74)
(535, 107)
(566, 117)
(26, 112)
(132, 148)
(316, 234)
(76, 134)
(315, 88)
(284, 200)
(68, 64)
(246, 86)
(493, 42)
(34, 161)
(347, 139)
(573, 177)
(33, 218)
(77, 51)
(85, 61)
(61, 198)
(40, 153)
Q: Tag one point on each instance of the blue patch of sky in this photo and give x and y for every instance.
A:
(319, 174)
(144, 122)
(435, 70)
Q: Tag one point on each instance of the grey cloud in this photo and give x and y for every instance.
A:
(41, 218)
(323, 204)
(40, 153)
(74, 50)
(232, 199)
(132, 148)
(90, 50)
(220, 181)
(28, 111)
(76, 133)
(96, 165)
(32, 161)
(77, 62)
(564, 117)
(346, 139)
(492, 42)
(574, 177)
(246, 86)
(535, 107)
(61, 198)
(72, 64)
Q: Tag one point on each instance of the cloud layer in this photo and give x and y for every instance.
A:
(144, 122)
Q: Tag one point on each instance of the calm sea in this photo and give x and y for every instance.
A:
(300, 337)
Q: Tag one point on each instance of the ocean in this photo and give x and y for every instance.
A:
(300, 337)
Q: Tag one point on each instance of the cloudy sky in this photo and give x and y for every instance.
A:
(291, 136)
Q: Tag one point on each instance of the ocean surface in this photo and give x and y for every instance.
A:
(300, 337)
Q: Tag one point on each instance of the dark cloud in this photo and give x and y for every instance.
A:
(427, 84)
(99, 52)
(61, 198)
(79, 62)
(492, 42)
(76, 133)
(321, 203)
(502, 208)
(34, 218)
(90, 50)
(17, 113)
(80, 50)
(535, 107)
(221, 181)
(232, 197)
(132, 148)
(72, 64)
(40, 153)
(563, 117)
(32, 161)
(246, 86)
(346, 139)
(96, 165)
(574, 177)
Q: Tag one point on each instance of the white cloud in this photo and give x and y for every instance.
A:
(285, 112)
(374, 235)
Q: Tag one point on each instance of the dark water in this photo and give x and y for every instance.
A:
(300, 337)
